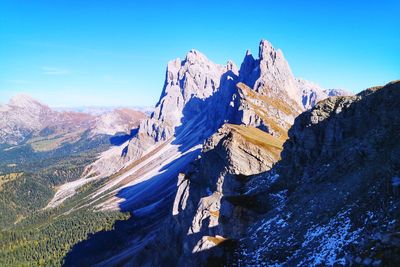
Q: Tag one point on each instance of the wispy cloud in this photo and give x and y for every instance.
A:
(54, 71)
(86, 50)
(17, 81)
(111, 79)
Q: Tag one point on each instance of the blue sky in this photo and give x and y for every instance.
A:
(108, 53)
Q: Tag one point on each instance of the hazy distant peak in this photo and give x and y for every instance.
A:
(337, 92)
(24, 101)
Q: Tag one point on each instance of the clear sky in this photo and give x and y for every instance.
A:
(74, 53)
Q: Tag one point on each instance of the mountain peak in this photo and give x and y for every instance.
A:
(24, 100)
(248, 72)
(231, 66)
(194, 56)
(266, 50)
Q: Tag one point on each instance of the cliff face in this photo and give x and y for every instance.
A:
(194, 103)
(211, 205)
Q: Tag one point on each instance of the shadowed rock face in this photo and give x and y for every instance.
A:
(338, 202)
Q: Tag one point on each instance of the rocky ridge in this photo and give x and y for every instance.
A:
(339, 164)
(201, 93)
(331, 200)
(257, 105)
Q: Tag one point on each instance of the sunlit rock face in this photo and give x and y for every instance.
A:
(194, 101)
(189, 89)
(275, 73)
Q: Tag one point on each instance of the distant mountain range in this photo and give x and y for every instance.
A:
(25, 118)
(98, 110)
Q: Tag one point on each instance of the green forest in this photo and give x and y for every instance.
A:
(31, 235)
(46, 242)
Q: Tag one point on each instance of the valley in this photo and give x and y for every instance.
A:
(33, 166)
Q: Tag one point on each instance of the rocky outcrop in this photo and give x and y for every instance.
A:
(272, 114)
(338, 202)
(209, 194)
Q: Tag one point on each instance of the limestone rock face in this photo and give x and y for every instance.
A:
(273, 114)
(337, 92)
(194, 101)
(311, 93)
(249, 70)
(173, 99)
(313, 206)
(275, 73)
(270, 75)
(192, 80)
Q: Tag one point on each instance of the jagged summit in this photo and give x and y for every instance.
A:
(275, 74)
(231, 66)
(197, 90)
(266, 50)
